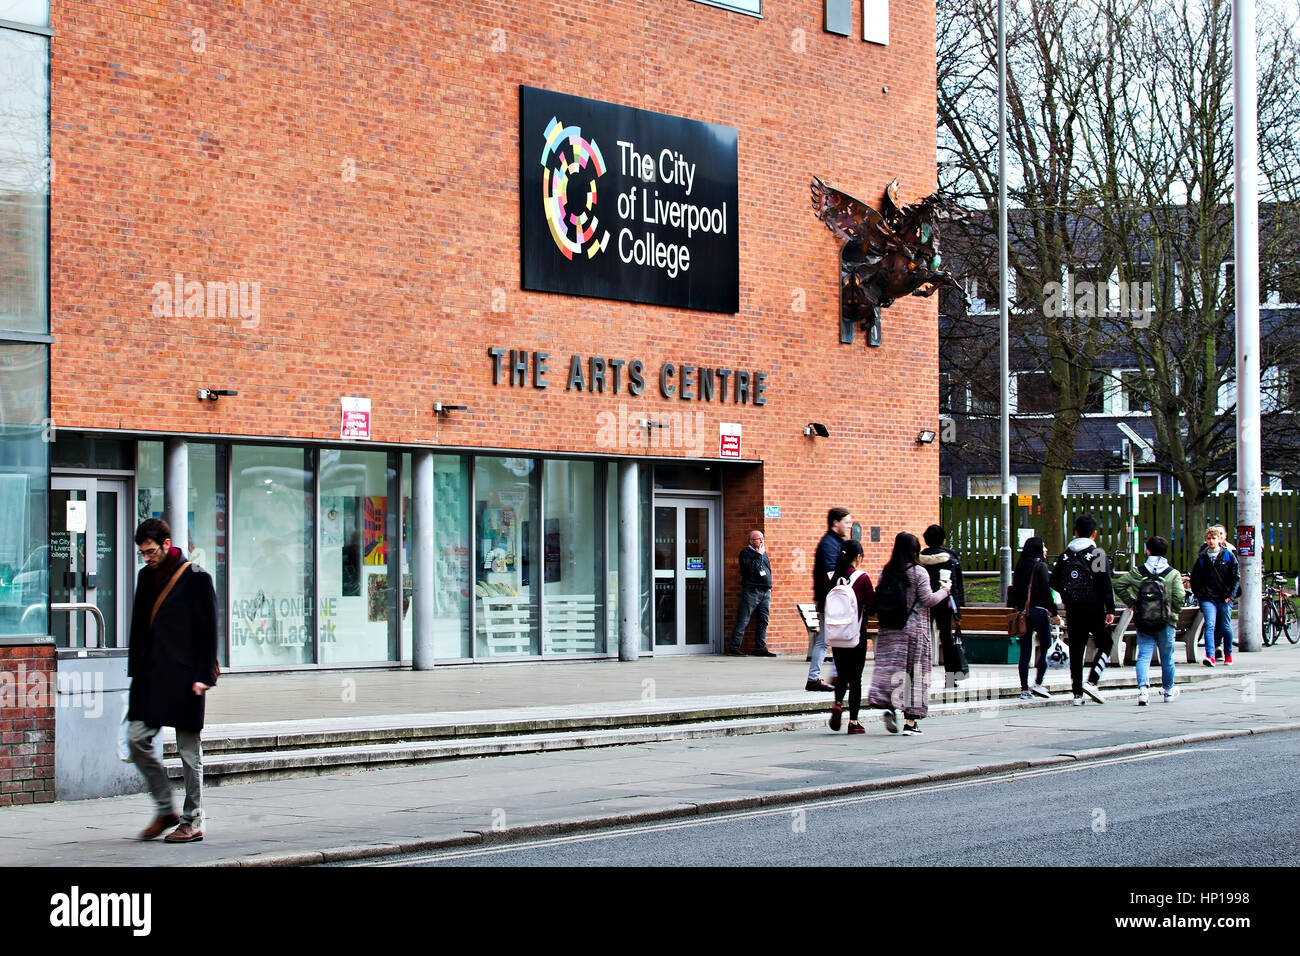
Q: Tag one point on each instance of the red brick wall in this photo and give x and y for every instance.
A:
(27, 701)
(228, 164)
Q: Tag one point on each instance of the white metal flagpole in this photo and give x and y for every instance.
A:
(1246, 224)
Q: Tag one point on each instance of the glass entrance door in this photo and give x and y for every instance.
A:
(687, 605)
(91, 566)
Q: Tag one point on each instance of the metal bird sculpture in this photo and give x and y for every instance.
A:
(886, 254)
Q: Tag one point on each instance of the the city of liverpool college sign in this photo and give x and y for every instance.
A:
(621, 203)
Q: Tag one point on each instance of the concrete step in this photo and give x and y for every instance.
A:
(245, 753)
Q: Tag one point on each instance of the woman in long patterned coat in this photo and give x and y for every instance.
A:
(901, 676)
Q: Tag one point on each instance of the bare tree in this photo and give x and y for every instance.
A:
(1161, 165)
(1050, 54)
(1120, 137)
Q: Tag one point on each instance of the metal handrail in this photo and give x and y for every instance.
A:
(95, 612)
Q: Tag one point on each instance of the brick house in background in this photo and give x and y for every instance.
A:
(969, 390)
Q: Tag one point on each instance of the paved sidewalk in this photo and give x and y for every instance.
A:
(468, 801)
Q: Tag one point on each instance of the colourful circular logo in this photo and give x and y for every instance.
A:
(567, 160)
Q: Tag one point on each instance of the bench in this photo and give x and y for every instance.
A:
(984, 633)
(812, 623)
(1188, 631)
(990, 623)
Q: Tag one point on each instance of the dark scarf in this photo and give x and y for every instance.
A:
(162, 574)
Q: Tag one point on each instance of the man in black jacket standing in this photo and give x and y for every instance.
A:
(172, 663)
(936, 559)
(755, 596)
(1082, 576)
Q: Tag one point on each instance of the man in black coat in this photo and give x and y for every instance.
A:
(755, 596)
(936, 559)
(172, 662)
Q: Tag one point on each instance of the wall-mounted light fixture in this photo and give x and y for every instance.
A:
(440, 408)
(647, 423)
(926, 437)
(816, 428)
(212, 394)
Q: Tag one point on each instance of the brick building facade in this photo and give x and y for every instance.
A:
(303, 203)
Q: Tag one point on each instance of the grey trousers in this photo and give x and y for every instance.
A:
(191, 751)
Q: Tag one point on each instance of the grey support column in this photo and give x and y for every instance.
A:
(422, 584)
(176, 492)
(629, 561)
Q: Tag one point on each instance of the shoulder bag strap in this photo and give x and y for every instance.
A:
(166, 591)
(1029, 587)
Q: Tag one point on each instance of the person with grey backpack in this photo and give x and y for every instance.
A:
(1155, 592)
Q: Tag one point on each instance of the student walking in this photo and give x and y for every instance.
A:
(849, 661)
(1031, 587)
(1082, 576)
(902, 669)
(1216, 578)
(1155, 592)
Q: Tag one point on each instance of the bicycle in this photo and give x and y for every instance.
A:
(1280, 615)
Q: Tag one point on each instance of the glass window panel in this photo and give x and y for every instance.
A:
(271, 574)
(1135, 392)
(505, 577)
(1033, 393)
(451, 557)
(573, 559)
(24, 180)
(356, 559)
(645, 484)
(106, 566)
(1095, 400)
(697, 541)
(35, 13)
(24, 489)
(66, 586)
(148, 484)
(73, 450)
(207, 519)
(611, 528)
(665, 570)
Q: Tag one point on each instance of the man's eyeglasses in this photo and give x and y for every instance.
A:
(148, 553)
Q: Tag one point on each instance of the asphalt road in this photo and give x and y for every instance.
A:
(1177, 807)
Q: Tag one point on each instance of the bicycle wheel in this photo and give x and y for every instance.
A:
(1290, 621)
(1272, 623)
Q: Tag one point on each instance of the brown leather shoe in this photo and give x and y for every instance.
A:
(159, 824)
(184, 834)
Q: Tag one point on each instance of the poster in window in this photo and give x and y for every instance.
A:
(374, 549)
(553, 551)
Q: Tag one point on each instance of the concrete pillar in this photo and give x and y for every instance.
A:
(629, 561)
(176, 492)
(422, 565)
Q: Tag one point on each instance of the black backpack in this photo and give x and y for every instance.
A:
(1151, 609)
(1076, 579)
(892, 610)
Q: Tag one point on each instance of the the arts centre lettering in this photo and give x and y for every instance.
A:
(623, 203)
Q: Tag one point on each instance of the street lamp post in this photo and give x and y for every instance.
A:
(1004, 360)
